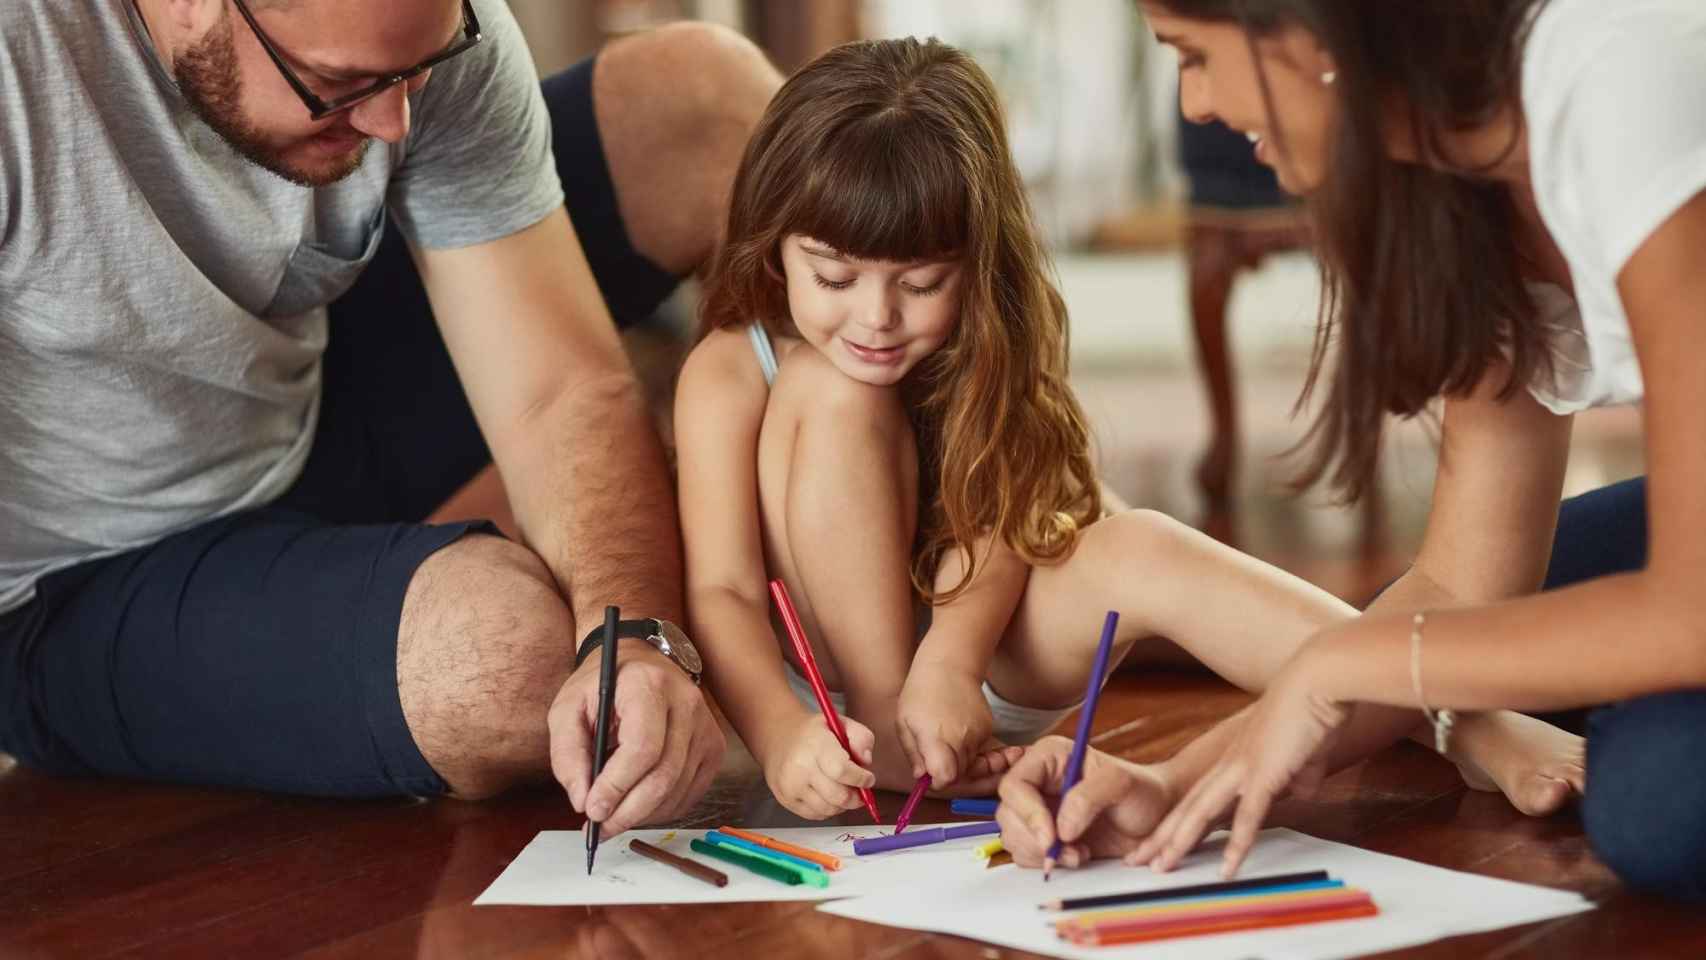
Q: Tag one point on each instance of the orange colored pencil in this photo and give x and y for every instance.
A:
(825, 860)
(1198, 928)
(1301, 899)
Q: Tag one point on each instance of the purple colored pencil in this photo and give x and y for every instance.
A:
(919, 838)
(1086, 715)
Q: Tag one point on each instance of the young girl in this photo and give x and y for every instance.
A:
(1508, 204)
(880, 416)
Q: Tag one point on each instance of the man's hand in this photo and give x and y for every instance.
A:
(668, 744)
(1115, 805)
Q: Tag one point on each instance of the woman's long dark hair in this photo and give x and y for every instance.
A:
(1423, 286)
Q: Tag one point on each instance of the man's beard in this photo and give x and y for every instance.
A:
(207, 77)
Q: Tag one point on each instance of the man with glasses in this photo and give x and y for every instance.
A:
(277, 279)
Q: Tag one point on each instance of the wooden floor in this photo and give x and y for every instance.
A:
(90, 869)
(93, 869)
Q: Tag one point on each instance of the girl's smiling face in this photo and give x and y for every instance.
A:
(874, 319)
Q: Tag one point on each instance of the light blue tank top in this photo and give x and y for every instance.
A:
(766, 353)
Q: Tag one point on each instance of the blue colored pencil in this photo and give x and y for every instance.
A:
(1287, 883)
(1086, 714)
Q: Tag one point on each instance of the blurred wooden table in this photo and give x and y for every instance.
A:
(91, 869)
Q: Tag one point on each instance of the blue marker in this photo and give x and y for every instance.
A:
(974, 807)
(712, 836)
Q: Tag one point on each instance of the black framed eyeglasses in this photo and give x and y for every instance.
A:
(320, 109)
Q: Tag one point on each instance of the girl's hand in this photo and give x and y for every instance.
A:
(812, 775)
(1283, 744)
(1112, 809)
(943, 722)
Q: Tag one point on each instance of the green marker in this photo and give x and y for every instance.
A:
(810, 873)
(761, 867)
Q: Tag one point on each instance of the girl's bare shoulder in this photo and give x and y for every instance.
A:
(722, 372)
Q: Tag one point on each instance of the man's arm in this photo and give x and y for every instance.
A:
(564, 416)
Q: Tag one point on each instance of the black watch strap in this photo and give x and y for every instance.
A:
(625, 629)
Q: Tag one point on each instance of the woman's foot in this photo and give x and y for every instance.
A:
(1536, 765)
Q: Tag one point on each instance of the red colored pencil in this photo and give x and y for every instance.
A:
(1224, 926)
(803, 650)
(1117, 923)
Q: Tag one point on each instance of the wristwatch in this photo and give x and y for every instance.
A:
(670, 640)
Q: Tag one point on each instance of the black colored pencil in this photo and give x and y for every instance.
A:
(1196, 890)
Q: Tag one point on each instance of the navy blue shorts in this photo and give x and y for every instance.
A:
(260, 650)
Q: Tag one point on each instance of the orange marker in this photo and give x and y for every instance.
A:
(824, 860)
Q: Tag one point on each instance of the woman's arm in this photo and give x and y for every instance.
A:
(1490, 527)
(1604, 640)
(1608, 639)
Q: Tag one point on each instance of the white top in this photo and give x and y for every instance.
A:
(1615, 98)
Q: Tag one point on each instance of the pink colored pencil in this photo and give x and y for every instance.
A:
(803, 650)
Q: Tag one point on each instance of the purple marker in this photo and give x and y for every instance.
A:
(919, 838)
(911, 804)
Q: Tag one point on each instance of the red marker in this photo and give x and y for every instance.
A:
(803, 650)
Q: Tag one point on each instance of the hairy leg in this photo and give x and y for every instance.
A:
(484, 644)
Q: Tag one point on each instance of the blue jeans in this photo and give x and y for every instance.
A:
(1645, 808)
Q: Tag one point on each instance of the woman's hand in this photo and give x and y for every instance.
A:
(1282, 744)
(1112, 809)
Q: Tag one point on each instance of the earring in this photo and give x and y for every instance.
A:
(1330, 77)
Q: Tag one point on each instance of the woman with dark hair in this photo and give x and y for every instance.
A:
(1507, 197)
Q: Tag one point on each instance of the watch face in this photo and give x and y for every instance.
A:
(680, 647)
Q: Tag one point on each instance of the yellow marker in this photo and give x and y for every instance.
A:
(667, 837)
(990, 849)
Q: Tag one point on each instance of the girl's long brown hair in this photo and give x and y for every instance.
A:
(1423, 287)
(897, 150)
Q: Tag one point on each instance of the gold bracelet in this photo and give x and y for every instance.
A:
(1442, 720)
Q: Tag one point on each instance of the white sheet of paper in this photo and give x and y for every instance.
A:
(1418, 904)
(551, 870)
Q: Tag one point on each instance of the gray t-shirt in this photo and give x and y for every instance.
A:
(162, 301)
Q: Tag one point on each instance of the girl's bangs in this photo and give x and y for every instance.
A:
(884, 192)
